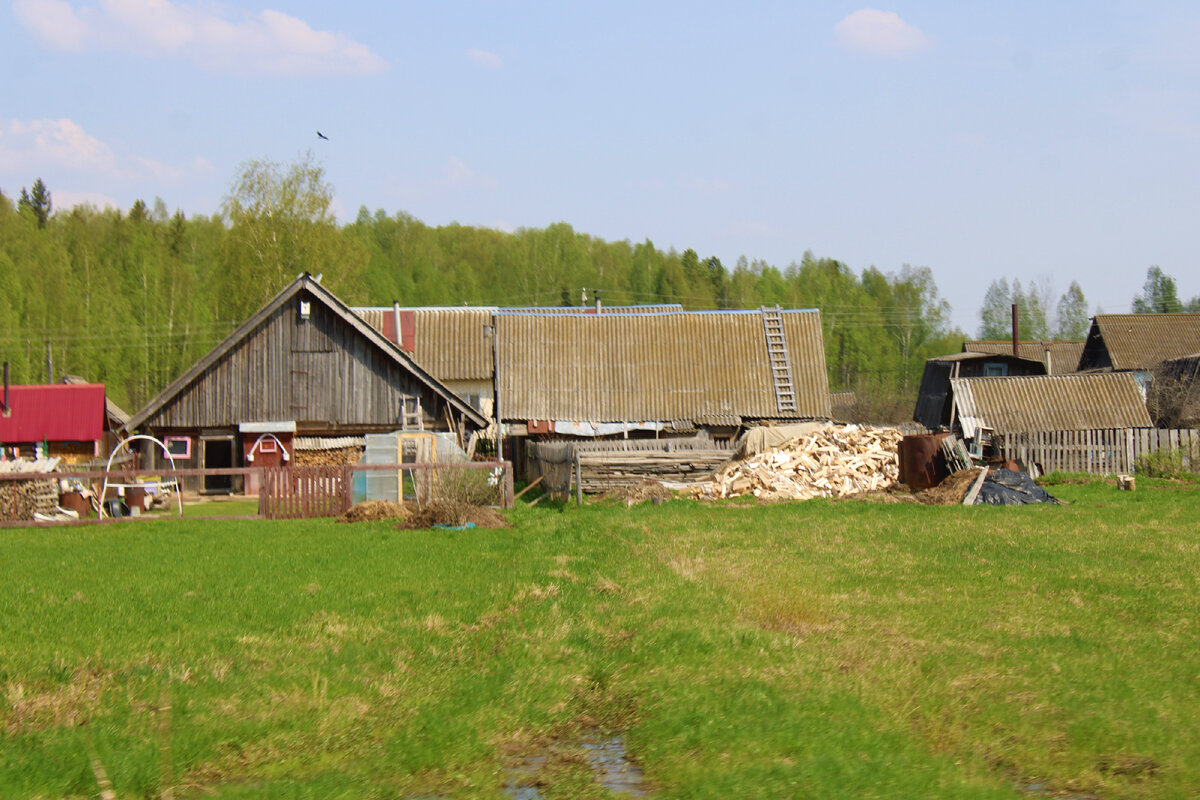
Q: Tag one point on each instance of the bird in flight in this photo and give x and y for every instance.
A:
(322, 136)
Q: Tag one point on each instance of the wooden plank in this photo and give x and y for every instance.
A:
(969, 500)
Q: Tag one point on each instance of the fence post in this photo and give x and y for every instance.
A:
(509, 500)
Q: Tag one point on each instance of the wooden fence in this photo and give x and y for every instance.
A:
(286, 492)
(1099, 452)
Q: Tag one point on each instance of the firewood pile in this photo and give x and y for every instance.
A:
(21, 499)
(834, 461)
(332, 457)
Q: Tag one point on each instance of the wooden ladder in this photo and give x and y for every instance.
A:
(781, 368)
(411, 418)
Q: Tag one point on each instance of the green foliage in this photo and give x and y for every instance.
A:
(1164, 463)
(1073, 317)
(1158, 295)
(36, 203)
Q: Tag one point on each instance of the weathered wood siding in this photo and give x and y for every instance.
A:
(318, 370)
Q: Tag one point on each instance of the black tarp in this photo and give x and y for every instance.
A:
(1006, 487)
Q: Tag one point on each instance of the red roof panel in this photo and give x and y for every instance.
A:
(56, 413)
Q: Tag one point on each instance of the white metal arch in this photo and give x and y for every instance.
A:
(120, 445)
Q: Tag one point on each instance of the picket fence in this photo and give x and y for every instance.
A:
(1099, 452)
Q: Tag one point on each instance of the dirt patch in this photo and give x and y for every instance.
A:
(951, 491)
(453, 514)
(373, 511)
(640, 493)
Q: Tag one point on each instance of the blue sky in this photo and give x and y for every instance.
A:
(1048, 142)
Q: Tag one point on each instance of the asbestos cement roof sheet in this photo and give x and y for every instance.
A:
(1040, 403)
(1139, 341)
(1063, 356)
(699, 366)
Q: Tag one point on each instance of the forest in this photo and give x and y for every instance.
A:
(133, 298)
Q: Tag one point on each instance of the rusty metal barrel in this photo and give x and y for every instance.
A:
(921, 462)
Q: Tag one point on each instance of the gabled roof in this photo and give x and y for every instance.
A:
(53, 412)
(306, 284)
(1139, 341)
(117, 416)
(706, 367)
(1063, 356)
(1038, 403)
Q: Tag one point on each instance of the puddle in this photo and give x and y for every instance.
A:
(1036, 789)
(607, 758)
(613, 770)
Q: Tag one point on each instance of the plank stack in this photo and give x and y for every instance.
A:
(606, 470)
(834, 461)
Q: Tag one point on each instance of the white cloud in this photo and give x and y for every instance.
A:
(881, 33)
(41, 144)
(53, 22)
(270, 42)
(485, 59)
(708, 185)
(53, 142)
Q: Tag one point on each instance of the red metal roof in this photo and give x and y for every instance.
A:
(56, 413)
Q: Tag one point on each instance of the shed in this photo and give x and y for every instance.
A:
(935, 397)
(1033, 404)
(303, 367)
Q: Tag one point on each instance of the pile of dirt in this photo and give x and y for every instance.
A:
(640, 493)
(372, 511)
(951, 491)
(453, 514)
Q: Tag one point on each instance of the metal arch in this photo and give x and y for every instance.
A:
(117, 449)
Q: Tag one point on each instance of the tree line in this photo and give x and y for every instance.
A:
(133, 298)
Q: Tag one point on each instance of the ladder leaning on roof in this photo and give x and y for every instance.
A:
(781, 368)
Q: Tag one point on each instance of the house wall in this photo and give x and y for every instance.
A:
(318, 371)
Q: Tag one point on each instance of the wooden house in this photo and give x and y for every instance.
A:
(1060, 357)
(1138, 343)
(303, 376)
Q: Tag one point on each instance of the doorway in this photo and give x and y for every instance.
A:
(217, 452)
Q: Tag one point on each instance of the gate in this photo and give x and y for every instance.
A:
(301, 492)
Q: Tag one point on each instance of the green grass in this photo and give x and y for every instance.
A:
(807, 650)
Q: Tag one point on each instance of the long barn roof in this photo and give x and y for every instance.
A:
(707, 367)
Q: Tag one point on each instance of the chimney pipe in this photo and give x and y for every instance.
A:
(1014, 329)
(396, 319)
(4, 405)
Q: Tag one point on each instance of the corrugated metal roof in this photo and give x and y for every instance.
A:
(678, 366)
(58, 413)
(116, 415)
(1139, 341)
(1064, 356)
(1050, 403)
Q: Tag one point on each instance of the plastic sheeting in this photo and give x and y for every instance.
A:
(756, 440)
(1006, 487)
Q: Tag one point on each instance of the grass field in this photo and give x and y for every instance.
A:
(819, 650)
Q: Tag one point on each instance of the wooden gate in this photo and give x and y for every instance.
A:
(302, 492)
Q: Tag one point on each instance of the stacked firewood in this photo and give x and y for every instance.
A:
(834, 461)
(20, 500)
(605, 470)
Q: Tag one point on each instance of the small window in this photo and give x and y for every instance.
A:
(267, 446)
(995, 370)
(179, 446)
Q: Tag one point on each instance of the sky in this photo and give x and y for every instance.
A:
(1044, 142)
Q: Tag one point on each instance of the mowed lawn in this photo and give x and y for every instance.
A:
(819, 649)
